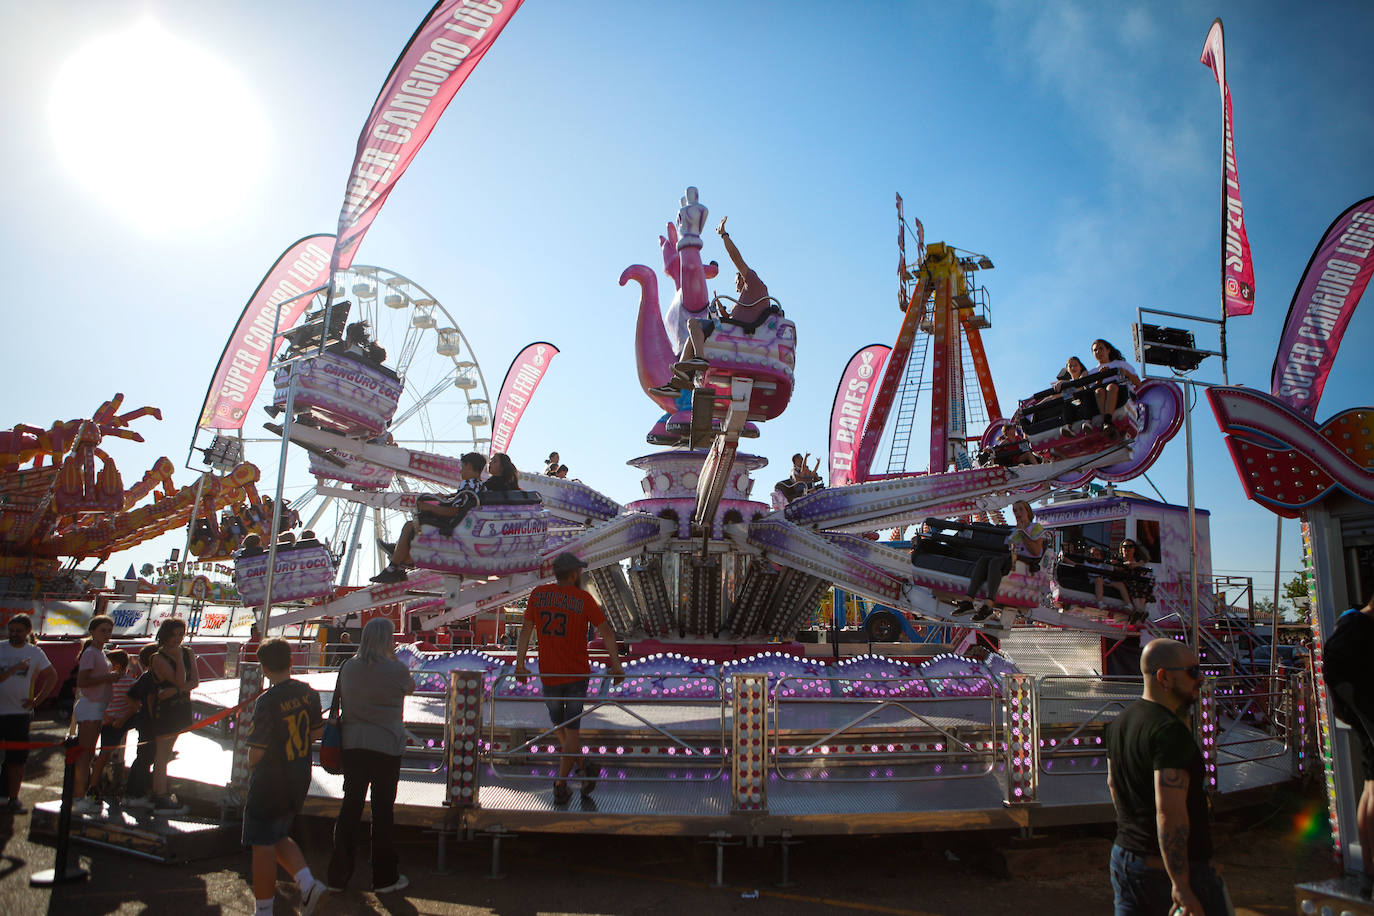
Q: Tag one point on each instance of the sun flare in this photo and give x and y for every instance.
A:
(157, 128)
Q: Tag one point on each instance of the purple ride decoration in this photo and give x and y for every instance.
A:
(670, 675)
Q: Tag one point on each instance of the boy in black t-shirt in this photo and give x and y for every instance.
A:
(286, 722)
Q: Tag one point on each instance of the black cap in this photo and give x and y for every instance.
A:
(566, 562)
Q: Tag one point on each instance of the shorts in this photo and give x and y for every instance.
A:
(88, 710)
(112, 735)
(172, 717)
(15, 727)
(565, 702)
(708, 327)
(266, 829)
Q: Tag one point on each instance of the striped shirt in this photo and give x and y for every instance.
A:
(121, 707)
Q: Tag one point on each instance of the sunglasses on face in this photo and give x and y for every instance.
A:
(1193, 671)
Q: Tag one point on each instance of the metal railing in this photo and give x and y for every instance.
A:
(1104, 697)
(946, 753)
(1235, 699)
(664, 746)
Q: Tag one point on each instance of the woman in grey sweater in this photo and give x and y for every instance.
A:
(373, 686)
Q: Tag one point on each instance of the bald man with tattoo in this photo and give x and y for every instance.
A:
(1161, 861)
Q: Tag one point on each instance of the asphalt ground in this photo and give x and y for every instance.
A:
(1263, 851)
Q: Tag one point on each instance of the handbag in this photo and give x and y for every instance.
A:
(331, 740)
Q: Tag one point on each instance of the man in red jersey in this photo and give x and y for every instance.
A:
(561, 613)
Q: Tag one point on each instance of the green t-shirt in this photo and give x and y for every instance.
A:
(1144, 738)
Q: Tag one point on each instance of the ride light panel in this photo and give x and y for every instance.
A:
(462, 730)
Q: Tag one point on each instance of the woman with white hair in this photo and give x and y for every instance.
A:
(372, 686)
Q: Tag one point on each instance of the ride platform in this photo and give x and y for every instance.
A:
(834, 765)
(160, 838)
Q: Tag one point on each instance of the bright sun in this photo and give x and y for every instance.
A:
(157, 128)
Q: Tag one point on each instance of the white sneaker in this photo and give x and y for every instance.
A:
(311, 898)
(401, 883)
(86, 807)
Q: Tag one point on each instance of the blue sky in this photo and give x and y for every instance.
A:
(1077, 144)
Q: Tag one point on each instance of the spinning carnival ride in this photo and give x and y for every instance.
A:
(69, 508)
(697, 559)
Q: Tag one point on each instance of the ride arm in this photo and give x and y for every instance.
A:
(1171, 818)
(1111, 787)
(608, 636)
(730, 248)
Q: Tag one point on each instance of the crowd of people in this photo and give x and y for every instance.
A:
(149, 694)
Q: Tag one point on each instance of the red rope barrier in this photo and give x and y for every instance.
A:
(203, 723)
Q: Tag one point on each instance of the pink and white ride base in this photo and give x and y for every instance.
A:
(341, 393)
(301, 572)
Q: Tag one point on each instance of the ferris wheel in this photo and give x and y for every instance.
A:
(444, 408)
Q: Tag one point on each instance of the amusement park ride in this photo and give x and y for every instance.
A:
(697, 561)
(708, 585)
(68, 508)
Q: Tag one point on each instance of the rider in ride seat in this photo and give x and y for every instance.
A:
(1026, 546)
(504, 477)
(1111, 396)
(753, 303)
(433, 511)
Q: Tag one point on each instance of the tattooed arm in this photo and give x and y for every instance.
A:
(1171, 817)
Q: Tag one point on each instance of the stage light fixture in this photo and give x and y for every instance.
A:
(1171, 347)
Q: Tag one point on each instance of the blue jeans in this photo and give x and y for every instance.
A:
(565, 702)
(1143, 891)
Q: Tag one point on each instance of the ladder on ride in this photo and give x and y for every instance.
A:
(909, 396)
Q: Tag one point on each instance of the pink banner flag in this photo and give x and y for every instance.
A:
(524, 375)
(1237, 273)
(853, 398)
(301, 268)
(440, 56)
(1326, 297)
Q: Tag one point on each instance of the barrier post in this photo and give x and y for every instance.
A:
(748, 753)
(462, 737)
(1022, 740)
(62, 871)
(1207, 732)
(250, 684)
